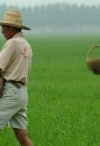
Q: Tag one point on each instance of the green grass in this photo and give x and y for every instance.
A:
(64, 96)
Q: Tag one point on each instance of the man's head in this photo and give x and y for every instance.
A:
(12, 22)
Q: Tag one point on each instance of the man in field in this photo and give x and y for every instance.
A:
(15, 62)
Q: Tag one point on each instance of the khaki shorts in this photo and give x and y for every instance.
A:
(13, 107)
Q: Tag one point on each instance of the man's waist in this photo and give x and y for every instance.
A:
(18, 84)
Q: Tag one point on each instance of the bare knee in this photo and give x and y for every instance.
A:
(23, 137)
(20, 133)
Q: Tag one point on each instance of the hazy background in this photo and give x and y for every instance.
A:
(57, 16)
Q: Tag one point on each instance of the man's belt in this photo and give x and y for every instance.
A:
(18, 84)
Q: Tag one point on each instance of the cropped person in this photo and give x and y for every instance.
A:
(15, 64)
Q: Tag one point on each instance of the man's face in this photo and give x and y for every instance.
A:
(7, 32)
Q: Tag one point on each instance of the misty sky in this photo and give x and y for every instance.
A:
(39, 2)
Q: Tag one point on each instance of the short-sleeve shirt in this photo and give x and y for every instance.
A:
(16, 58)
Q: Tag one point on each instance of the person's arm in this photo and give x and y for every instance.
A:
(6, 54)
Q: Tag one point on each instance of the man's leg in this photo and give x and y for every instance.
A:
(23, 137)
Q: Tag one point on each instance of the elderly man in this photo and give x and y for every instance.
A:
(15, 63)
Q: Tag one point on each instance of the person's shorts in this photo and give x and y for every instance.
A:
(13, 107)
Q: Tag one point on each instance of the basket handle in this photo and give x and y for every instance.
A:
(90, 50)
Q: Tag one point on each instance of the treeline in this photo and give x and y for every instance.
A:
(63, 16)
(60, 16)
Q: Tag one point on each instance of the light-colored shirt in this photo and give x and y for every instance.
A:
(16, 58)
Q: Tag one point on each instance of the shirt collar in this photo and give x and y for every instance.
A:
(19, 34)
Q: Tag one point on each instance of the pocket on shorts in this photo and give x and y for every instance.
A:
(10, 90)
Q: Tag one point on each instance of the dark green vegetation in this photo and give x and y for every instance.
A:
(64, 96)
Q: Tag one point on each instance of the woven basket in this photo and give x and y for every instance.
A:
(92, 62)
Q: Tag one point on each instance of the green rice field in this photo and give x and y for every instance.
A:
(64, 96)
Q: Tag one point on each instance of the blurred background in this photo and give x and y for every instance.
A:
(57, 16)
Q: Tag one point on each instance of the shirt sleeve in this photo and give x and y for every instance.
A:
(6, 54)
